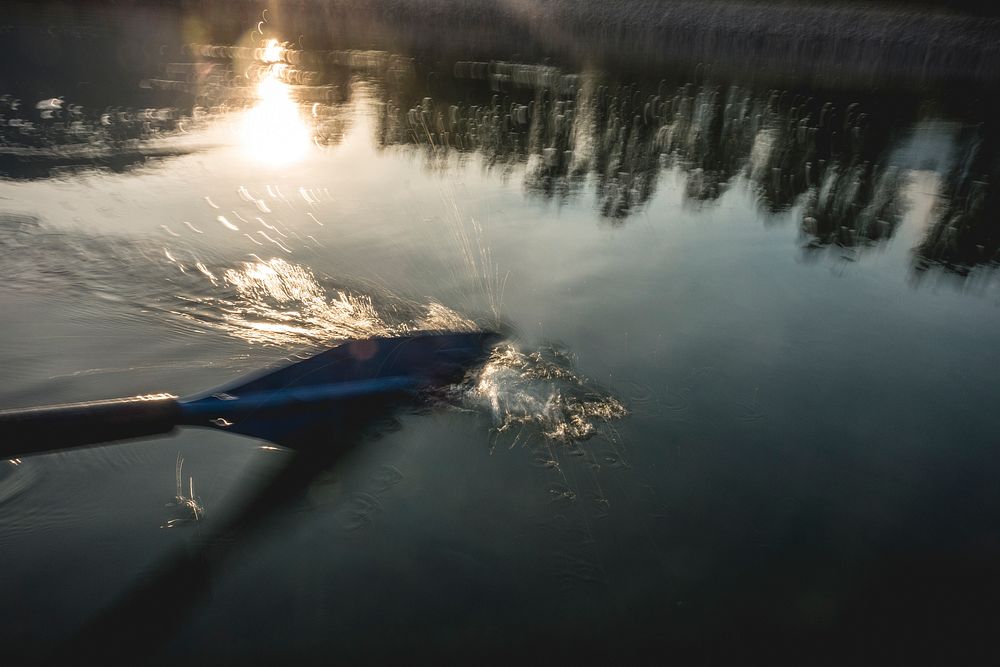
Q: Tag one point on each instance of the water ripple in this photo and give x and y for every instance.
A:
(16, 477)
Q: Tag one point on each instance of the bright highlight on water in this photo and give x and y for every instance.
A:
(273, 131)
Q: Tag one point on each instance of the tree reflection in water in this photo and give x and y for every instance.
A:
(826, 151)
(966, 231)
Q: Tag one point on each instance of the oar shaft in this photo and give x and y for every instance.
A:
(195, 411)
(36, 430)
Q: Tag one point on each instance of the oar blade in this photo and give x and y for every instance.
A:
(313, 394)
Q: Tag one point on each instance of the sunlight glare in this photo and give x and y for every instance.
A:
(273, 131)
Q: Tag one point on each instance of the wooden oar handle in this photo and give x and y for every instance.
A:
(35, 430)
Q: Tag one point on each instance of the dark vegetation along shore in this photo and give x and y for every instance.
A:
(845, 44)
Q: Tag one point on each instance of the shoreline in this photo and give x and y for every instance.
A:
(784, 44)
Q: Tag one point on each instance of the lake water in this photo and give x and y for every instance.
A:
(746, 406)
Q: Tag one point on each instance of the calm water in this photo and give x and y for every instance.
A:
(747, 405)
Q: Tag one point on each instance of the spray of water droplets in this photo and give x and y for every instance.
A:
(539, 392)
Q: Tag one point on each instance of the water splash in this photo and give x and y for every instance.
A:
(186, 503)
(476, 255)
(277, 302)
(535, 391)
(539, 391)
(529, 392)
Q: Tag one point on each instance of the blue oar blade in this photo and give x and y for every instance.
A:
(278, 404)
(434, 356)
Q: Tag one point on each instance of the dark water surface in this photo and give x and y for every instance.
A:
(747, 406)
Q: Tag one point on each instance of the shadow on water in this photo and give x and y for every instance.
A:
(146, 617)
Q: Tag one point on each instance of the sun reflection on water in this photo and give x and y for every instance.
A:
(280, 302)
(274, 131)
(276, 302)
